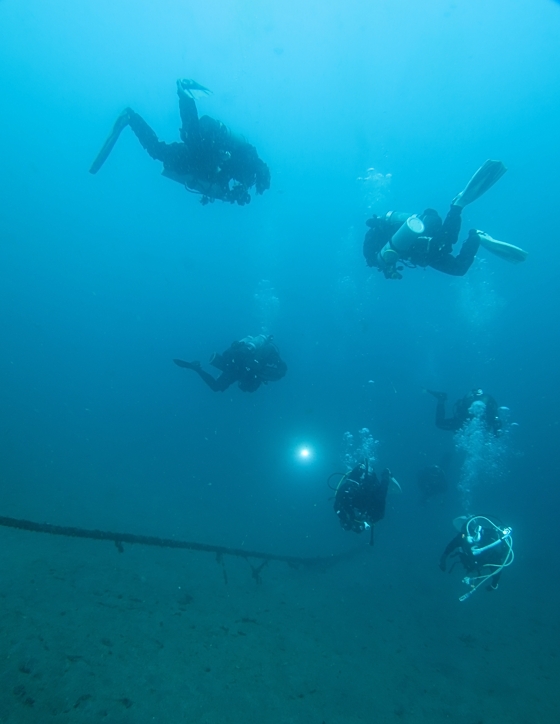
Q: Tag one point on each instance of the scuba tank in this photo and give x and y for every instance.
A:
(254, 343)
(407, 233)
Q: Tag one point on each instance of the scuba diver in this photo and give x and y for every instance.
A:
(360, 497)
(431, 482)
(210, 160)
(484, 548)
(250, 362)
(421, 240)
(465, 409)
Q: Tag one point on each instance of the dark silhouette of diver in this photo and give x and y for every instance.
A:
(360, 498)
(421, 240)
(463, 411)
(251, 362)
(210, 160)
(484, 548)
(432, 481)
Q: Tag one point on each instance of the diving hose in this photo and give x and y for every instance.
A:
(505, 537)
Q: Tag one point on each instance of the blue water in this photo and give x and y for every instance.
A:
(357, 107)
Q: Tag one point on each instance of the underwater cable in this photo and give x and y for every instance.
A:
(118, 539)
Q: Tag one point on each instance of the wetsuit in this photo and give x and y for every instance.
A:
(433, 249)
(250, 362)
(210, 160)
(461, 412)
(431, 481)
(461, 549)
(360, 499)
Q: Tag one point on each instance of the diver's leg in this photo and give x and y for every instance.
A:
(210, 381)
(458, 265)
(468, 252)
(190, 130)
(448, 235)
(217, 385)
(157, 149)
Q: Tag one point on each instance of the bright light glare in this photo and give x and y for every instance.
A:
(304, 453)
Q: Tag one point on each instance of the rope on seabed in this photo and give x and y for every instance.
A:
(118, 539)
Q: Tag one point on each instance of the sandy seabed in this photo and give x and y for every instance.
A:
(88, 634)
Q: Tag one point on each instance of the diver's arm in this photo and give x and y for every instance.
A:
(189, 115)
(444, 239)
(457, 266)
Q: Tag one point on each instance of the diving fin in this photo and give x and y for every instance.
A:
(182, 363)
(509, 252)
(187, 86)
(122, 122)
(484, 178)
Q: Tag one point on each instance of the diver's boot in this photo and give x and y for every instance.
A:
(483, 179)
(509, 252)
(440, 396)
(122, 122)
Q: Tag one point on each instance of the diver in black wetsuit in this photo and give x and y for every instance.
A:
(432, 481)
(484, 548)
(251, 362)
(210, 160)
(360, 498)
(432, 248)
(463, 411)
(421, 240)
